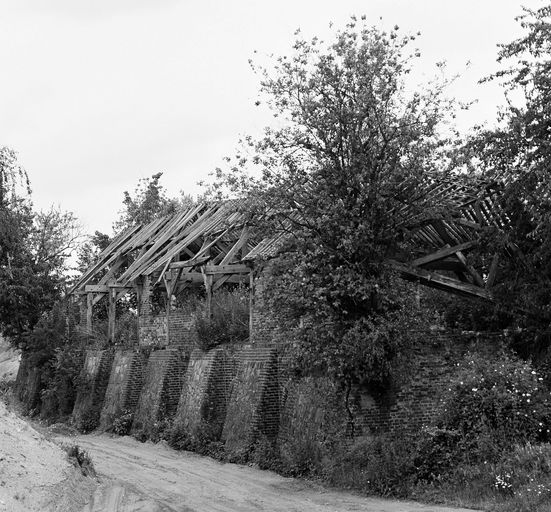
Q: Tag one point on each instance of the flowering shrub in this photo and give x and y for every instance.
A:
(496, 404)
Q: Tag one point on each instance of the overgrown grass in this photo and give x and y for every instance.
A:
(229, 322)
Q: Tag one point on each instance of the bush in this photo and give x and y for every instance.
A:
(64, 372)
(265, 454)
(160, 430)
(494, 405)
(203, 440)
(81, 459)
(301, 456)
(229, 322)
(435, 454)
(490, 449)
(123, 423)
(89, 420)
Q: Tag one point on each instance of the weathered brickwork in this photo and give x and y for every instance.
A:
(125, 384)
(207, 390)
(415, 400)
(159, 328)
(243, 393)
(312, 415)
(180, 328)
(152, 330)
(94, 378)
(161, 390)
(253, 409)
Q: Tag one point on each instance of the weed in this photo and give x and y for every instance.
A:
(81, 459)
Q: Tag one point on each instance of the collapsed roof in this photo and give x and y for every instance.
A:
(215, 240)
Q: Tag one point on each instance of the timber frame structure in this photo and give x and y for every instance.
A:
(212, 244)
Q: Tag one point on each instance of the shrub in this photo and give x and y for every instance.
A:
(229, 322)
(123, 423)
(265, 454)
(494, 404)
(203, 440)
(64, 372)
(160, 430)
(301, 456)
(81, 459)
(89, 420)
(435, 453)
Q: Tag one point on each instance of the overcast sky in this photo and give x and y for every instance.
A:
(96, 94)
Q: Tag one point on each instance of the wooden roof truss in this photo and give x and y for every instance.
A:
(211, 244)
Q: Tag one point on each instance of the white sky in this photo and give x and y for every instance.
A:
(95, 94)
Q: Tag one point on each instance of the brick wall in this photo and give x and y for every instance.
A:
(94, 378)
(152, 330)
(414, 400)
(124, 387)
(206, 391)
(161, 328)
(253, 409)
(245, 392)
(312, 415)
(161, 389)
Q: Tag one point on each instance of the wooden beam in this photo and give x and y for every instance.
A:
(89, 311)
(493, 271)
(208, 286)
(189, 263)
(104, 288)
(242, 241)
(442, 253)
(439, 281)
(446, 264)
(112, 315)
(444, 232)
(227, 269)
(470, 269)
(251, 304)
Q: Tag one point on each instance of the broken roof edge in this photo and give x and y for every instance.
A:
(202, 217)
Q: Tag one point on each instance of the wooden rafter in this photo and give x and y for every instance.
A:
(215, 239)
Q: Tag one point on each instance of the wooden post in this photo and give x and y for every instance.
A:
(112, 295)
(251, 303)
(89, 310)
(208, 285)
(493, 271)
(169, 285)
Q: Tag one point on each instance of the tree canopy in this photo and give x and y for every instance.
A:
(149, 201)
(355, 143)
(518, 153)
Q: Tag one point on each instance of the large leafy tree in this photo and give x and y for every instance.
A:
(148, 202)
(518, 153)
(355, 142)
(29, 284)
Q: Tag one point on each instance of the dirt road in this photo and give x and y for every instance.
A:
(140, 477)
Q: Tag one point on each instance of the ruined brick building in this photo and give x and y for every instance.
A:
(242, 391)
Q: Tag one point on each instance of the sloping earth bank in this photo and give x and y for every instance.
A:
(35, 473)
(146, 477)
